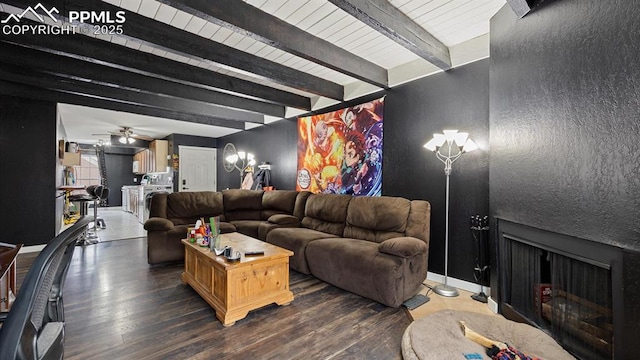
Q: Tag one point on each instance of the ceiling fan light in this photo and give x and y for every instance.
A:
(122, 140)
(131, 140)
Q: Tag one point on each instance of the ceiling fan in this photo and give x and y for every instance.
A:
(126, 135)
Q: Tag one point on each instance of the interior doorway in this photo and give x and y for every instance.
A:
(197, 169)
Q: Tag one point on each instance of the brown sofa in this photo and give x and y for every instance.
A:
(376, 247)
(250, 212)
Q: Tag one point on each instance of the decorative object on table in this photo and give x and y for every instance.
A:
(480, 232)
(341, 151)
(240, 160)
(448, 147)
(214, 232)
(495, 349)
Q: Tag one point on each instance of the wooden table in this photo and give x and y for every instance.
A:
(8, 254)
(235, 288)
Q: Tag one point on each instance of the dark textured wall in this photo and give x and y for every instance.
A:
(28, 183)
(275, 143)
(119, 173)
(565, 99)
(457, 99)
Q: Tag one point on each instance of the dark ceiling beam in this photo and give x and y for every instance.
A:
(95, 50)
(31, 92)
(394, 24)
(251, 21)
(70, 67)
(169, 38)
(52, 82)
(520, 7)
(92, 49)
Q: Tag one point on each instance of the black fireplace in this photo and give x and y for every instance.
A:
(571, 288)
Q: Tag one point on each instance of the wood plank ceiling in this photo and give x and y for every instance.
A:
(230, 65)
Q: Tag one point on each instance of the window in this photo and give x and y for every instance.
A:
(88, 172)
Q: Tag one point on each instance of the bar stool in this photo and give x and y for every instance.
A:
(91, 234)
(100, 193)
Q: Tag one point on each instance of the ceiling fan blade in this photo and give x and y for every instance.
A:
(142, 137)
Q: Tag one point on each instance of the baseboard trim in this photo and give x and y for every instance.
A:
(492, 305)
(459, 284)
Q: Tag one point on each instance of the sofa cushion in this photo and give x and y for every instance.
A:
(326, 213)
(278, 202)
(377, 218)
(357, 266)
(403, 246)
(158, 224)
(419, 220)
(283, 219)
(296, 240)
(247, 227)
(187, 207)
(242, 204)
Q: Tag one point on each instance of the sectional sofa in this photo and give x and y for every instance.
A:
(376, 247)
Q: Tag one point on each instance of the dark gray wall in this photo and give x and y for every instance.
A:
(457, 99)
(565, 99)
(275, 143)
(119, 173)
(29, 158)
(565, 129)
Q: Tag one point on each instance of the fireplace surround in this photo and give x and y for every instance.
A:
(571, 288)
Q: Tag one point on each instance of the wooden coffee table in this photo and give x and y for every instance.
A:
(235, 288)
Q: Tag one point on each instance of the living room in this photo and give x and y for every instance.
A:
(554, 110)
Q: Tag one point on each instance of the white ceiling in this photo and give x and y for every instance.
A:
(462, 25)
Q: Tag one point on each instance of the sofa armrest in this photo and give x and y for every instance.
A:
(158, 224)
(405, 247)
(283, 219)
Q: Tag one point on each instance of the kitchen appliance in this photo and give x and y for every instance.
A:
(145, 193)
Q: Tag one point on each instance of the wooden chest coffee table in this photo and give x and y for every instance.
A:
(235, 288)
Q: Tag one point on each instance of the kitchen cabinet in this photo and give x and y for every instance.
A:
(158, 151)
(153, 159)
(70, 158)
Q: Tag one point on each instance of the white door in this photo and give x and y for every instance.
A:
(197, 169)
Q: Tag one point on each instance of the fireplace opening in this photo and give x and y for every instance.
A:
(562, 285)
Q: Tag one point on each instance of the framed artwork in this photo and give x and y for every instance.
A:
(341, 151)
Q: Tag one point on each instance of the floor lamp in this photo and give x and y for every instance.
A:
(448, 147)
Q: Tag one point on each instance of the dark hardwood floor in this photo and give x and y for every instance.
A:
(118, 307)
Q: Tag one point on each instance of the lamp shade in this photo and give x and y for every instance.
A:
(122, 140)
(232, 158)
(435, 142)
(469, 146)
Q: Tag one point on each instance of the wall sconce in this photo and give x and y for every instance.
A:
(240, 160)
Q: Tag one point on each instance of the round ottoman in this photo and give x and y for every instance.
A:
(439, 336)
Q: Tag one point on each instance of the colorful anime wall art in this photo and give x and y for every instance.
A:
(341, 152)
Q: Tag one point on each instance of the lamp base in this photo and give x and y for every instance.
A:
(445, 290)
